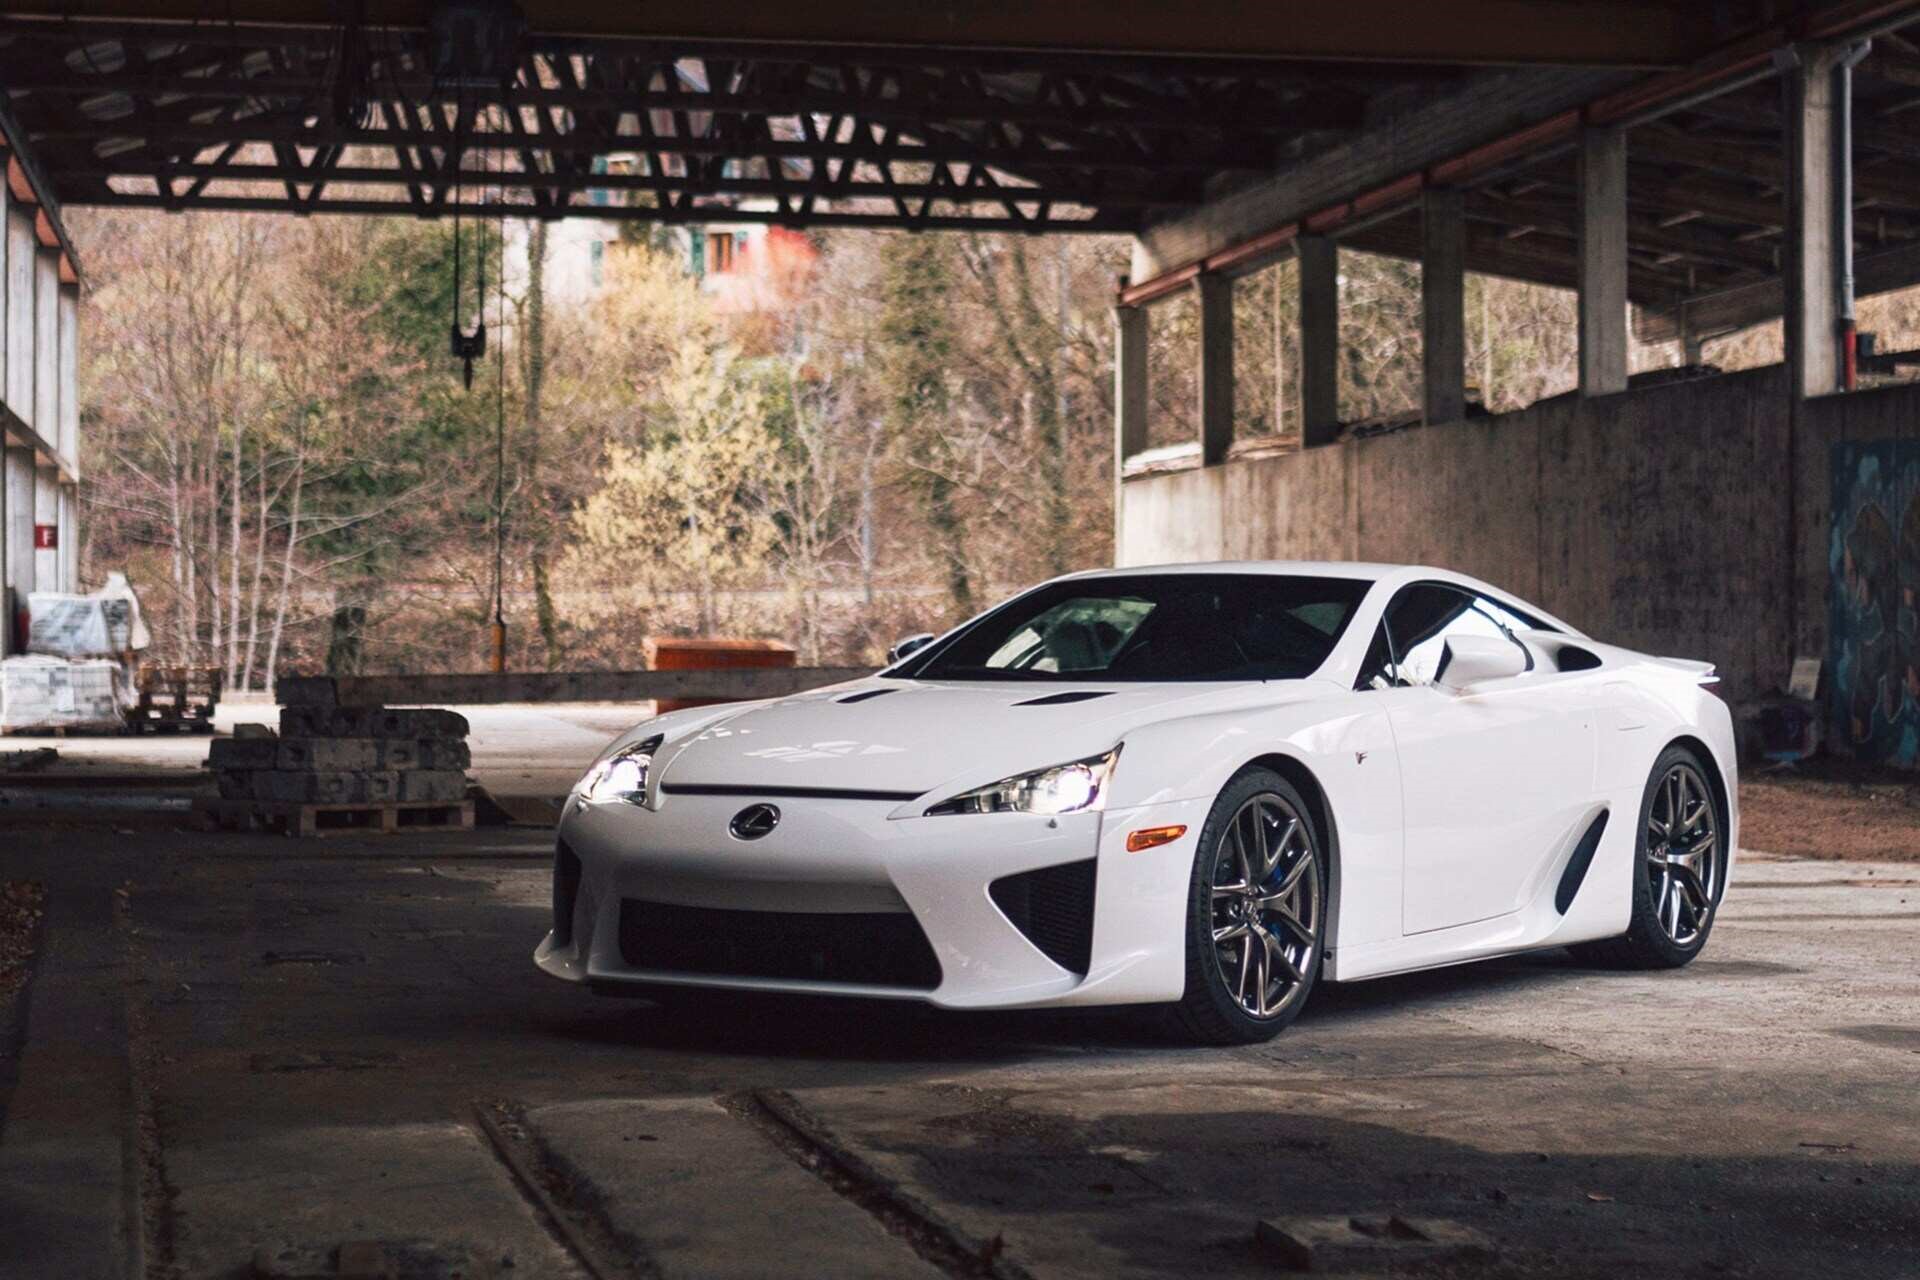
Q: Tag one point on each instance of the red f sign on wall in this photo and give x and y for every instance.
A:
(46, 537)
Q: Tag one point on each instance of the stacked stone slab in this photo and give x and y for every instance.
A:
(327, 754)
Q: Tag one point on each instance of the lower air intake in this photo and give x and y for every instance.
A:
(873, 948)
(1053, 907)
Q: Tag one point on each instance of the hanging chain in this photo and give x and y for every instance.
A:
(467, 347)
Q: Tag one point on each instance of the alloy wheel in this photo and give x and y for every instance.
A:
(1683, 854)
(1266, 912)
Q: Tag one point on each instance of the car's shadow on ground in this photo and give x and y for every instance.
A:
(827, 1029)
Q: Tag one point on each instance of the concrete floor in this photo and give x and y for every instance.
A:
(243, 1052)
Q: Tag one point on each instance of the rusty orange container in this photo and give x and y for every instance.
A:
(710, 655)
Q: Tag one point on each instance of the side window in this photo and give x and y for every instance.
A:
(1416, 628)
(1377, 671)
(1511, 619)
(1418, 622)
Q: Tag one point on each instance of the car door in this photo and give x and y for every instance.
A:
(1491, 777)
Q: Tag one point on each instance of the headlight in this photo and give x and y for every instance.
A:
(1065, 788)
(621, 775)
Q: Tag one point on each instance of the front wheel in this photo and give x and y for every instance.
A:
(1256, 914)
(1679, 872)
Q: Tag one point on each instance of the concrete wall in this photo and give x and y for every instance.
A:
(39, 414)
(1689, 520)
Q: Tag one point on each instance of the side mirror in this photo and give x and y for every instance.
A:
(908, 645)
(1471, 660)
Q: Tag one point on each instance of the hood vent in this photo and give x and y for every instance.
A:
(1061, 699)
(864, 695)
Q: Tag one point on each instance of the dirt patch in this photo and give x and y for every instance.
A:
(1869, 818)
(21, 902)
(21, 905)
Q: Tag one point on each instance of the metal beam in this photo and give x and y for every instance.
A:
(933, 217)
(317, 133)
(1612, 33)
(1322, 111)
(1056, 190)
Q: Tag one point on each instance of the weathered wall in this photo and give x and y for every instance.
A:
(39, 414)
(1678, 520)
(1858, 560)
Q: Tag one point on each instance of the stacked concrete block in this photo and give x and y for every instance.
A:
(326, 754)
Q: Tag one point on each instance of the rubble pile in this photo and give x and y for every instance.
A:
(333, 755)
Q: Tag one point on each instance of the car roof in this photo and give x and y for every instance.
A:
(1394, 575)
(1290, 568)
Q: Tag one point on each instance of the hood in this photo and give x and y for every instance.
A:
(906, 738)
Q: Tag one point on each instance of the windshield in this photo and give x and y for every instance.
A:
(1201, 626)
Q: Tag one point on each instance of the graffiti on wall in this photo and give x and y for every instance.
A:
(1874, 629)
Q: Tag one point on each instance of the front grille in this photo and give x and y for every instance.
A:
(871, 948)
(1053, 907)
(566, 888)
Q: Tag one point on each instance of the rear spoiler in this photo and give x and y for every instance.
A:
(1702, 672)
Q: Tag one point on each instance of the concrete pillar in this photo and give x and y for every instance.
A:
(68, 579)
(6, 540)
(46, 517)
(1443, 304)
(69, 442)
(46, 344)
(19, 469)
(1129, 402)
(1811, 269)
(1216, 367)
(1603, 261)
(22, 248)
(1319, 340)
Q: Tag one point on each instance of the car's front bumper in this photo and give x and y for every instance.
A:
(849, 858)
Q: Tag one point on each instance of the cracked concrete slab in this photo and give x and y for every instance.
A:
(703, 1195)
(429, 1189)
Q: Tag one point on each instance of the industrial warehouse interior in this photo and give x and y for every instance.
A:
(529, 532)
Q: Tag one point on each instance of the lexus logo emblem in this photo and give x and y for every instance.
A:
(754, 821)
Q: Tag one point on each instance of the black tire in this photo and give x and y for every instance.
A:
(1209, 1011)
(1649, 943)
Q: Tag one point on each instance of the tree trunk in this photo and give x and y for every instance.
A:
(262, 510)
(539, 526)
(1048, 396)
(875, 434)
(286, 565)
(950, 531)
(234, 491)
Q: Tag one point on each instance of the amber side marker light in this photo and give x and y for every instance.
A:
(1152, 838)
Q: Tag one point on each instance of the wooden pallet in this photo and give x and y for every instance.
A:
(138, 723)
(336, 819)
(176, 699)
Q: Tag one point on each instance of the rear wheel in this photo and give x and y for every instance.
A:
(1256, 914)
(1679, 871)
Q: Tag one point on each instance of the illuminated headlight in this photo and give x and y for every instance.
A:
(621, 775)
(1065, 788)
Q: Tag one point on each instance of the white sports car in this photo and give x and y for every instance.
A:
(1202, 786)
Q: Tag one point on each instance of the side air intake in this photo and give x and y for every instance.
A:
(1053, 907)
(1576, 872)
